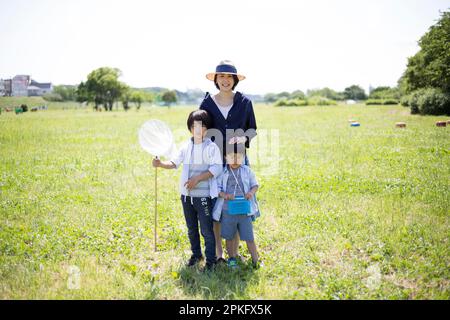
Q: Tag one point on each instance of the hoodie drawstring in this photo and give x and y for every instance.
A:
(192, 201)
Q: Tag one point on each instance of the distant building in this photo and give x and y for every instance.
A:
(5, 87)
(23, 86)
(33, 91)
(20, 85)
(39, 89)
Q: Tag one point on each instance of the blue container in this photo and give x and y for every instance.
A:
(354, 124)
(239, 205)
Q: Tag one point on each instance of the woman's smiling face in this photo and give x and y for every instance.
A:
(225, 81)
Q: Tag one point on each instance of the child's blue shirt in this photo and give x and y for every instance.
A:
(248, 180)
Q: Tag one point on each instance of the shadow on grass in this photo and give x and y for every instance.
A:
(222, 283)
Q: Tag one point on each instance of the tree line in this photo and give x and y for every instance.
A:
(424, 86)
(324, 96)
(103, 89)
(327, 96)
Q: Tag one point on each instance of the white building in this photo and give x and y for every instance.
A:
(20, 85)
(38, 89)
(24, 86)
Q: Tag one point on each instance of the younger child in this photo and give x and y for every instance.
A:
(202, 164)
(237, 180)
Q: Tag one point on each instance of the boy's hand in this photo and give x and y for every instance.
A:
(249, 195)
(191, 183)
(156, 162)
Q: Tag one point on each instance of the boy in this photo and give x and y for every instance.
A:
(202, 164)
(237, 180)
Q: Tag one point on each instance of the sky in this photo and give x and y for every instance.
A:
(278, 45)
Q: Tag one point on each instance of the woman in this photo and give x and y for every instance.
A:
(233, 116)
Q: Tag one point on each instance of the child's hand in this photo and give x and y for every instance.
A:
(226, 196)
(191, 183)
(249, 195)
(229, 196)
(156, 163)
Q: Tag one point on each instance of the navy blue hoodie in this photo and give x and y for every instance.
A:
(240, 116)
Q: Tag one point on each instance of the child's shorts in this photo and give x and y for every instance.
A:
(230, 224)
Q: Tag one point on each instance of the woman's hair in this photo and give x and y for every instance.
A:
(199, 115)
(235, 78)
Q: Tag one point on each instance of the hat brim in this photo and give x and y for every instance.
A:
(210, 76)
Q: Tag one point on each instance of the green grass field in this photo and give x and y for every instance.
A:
(351, 213)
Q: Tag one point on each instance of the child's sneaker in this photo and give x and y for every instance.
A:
(194, 260)
(232, 263)
(208, 267)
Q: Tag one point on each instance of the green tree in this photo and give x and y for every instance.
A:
(169, 97)
(81, 94)
(67, 92)
(384, 93)
(148, 96)
(125, 99)
(270, 98)
(402, 86)
(298, 94)
(283, 94)
(326, 93)
(430, 67)
(104, 88)
(354, 92)
(137, 97)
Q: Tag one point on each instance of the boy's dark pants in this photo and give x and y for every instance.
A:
(200, 209)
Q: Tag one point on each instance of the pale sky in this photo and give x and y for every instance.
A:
(279, 45)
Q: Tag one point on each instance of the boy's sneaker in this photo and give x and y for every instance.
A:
(232, 263)
(194, 260)
(208, 267)
(257, 265)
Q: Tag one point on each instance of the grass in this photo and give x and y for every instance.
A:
(351, 213)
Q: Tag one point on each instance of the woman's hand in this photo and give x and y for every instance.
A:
(238, 140)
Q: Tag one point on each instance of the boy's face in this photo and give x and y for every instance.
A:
(235, 160)
(198, 131)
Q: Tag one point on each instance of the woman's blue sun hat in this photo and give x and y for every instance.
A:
(226, 67)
